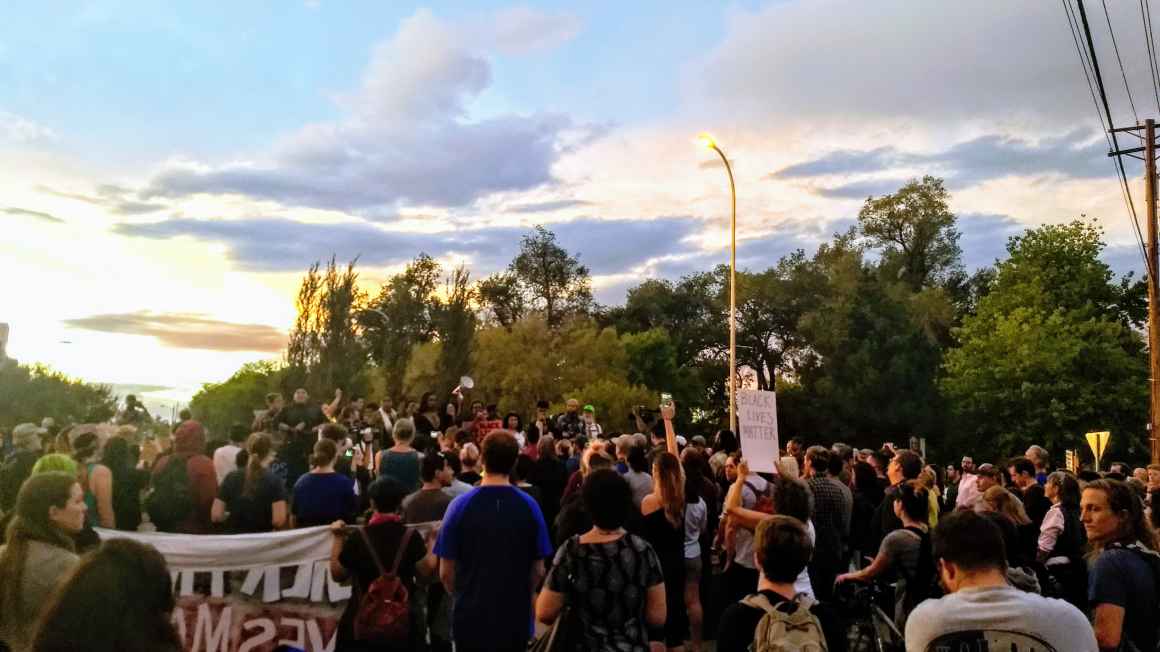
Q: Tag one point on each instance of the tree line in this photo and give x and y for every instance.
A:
(879, 335)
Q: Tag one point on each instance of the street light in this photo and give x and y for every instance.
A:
(708, 142)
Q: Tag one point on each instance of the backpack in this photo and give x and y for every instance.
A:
(787, 627)
(384, 613)
(171, 500)
(923, 584)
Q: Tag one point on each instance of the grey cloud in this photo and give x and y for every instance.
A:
(964, 164)
(983, 237)
(547, 206)
(404, 137)
(186, 331)
(115, 199)
(276, 244)
(38, 215)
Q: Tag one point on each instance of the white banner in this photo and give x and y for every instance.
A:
(251, 592)
(757, 425)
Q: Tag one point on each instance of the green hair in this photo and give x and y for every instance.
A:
(55, 462)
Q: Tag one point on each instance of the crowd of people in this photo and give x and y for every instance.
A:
(499, 528)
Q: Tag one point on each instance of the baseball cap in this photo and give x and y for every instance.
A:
(589, 408)
(26, 436)
(989, 470)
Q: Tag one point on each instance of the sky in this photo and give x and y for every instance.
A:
(169, 170)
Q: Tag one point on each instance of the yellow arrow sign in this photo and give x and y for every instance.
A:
(1099, 443)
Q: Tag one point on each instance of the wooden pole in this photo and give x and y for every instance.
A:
(1153, 288)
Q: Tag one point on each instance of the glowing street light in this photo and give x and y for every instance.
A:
(710, 143)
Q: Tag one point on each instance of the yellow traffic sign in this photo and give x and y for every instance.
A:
(1099, 443)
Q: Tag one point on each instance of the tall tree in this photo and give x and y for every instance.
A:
(916, 231)
(501, 297)
(1051, 352)
(401, 317)
(455, 321)
(553, 280)
(324, 351)
(33, 392)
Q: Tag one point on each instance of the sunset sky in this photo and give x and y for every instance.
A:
(168, 170)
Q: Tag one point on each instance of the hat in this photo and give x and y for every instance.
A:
(589, 408)
(680, 440)
(26, 436)
(699, 440)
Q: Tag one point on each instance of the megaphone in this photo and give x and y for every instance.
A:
(466, 382)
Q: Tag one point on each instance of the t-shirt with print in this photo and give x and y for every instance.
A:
(254, 513)
(493, 534)
(1125, 578)
(323, 498)
(607, 584)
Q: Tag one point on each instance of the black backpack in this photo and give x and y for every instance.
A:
(171, 500)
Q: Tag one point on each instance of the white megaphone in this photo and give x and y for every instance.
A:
(465, 382)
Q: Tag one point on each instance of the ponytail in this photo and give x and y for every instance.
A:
(669, 477)
(258, 445)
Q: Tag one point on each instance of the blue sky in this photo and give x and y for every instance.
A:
(172, 167)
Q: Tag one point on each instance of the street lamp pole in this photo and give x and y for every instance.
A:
(712, 144)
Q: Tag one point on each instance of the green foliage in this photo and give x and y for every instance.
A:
(551, 280)
(324, 351)
(1050, 353)
(915, 229)
(28, 393)
(614, 399)
(220, 405)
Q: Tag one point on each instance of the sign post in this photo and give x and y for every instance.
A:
(1099, 443)
(757, 432)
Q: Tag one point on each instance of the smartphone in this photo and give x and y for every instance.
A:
(349, 453)
(666, 399)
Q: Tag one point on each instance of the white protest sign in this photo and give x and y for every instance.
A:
(757, 423)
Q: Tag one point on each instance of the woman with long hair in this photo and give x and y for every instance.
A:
(663, 526)
(119, 599)
(1124, 552)
(128, 483)
(96, 479)
(39, 553)
(1062, 539)
(323, 495)
(427, 420)
(548, 473)
(997, 499)
(252, 499)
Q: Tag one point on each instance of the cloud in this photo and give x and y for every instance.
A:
(21, 130)
(405, 137)
(964, 164)
(186, 331)
(983, 237)
(23, 212)
(278, 244)
(898, 61)
(546, 206)
(115, 199)
(520, 30)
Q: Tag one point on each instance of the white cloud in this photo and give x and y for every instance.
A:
(405, 138)
(21, 130)
(519, 30)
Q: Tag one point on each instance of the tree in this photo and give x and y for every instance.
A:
(1051, 352)
(404, 318)
(454, 320)
(324, 351)
(220, 405)
(552, 280)
(915, 230)
(501, 296)
(33, 392)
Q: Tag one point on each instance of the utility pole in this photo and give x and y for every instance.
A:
(1153, 289)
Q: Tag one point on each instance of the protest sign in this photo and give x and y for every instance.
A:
(485, 427)
(251, 592)
(757, 426)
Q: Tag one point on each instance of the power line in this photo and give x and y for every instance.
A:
(1116, 49)
(1091, 64)
(1150, 43)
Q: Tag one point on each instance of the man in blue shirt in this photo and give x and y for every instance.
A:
(491, 550)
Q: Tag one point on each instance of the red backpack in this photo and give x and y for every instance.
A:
(384, 615)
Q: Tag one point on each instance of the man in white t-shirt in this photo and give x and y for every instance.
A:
(982, 611)
(225, 458)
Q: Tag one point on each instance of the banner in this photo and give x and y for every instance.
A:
(251, 592)
(757, 426)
